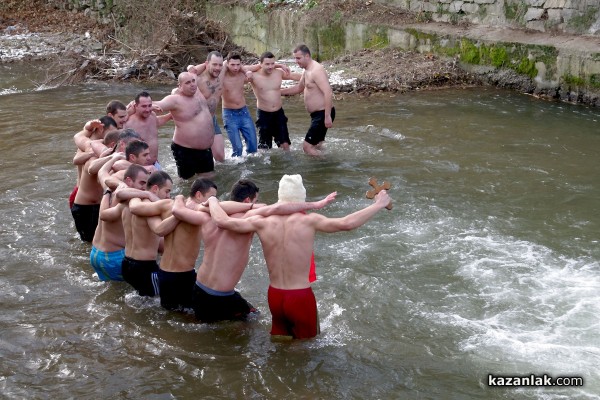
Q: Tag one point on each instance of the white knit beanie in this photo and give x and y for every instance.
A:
(291, 189)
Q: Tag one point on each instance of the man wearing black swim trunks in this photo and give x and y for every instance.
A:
(271, 120)
(194, 131)
(318, 99)
(141, 241)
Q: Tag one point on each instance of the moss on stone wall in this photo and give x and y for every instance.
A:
(521, 58)
(376, 38)
(515, 11)
(591, 82)
(331, 39)
(582, 23)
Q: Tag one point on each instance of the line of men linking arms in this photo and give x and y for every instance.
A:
(122, 204)
(138, 220)
(197, 140)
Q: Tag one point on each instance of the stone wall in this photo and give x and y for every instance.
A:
(98, 9)
(572, 62)
(567, 16)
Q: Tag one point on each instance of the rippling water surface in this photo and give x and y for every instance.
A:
(488, 262)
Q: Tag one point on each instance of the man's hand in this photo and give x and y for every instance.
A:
(178, 203)
(92, 125)
(327, 200)
(131, 107)
(156, 108)
(118, 156)
(153, 197)
(106, 152)
(328, 122)
(284, 68)
(383, 199)
(211, 198)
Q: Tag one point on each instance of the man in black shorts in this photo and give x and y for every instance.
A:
(272, 125)
(192, 161)
(318, 99)
(194, 130)
(271, 120)
(142, 243)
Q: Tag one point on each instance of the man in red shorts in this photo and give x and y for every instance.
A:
(288, 242)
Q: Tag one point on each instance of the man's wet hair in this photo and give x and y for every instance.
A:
(302, 48)
(133, 170)
(142, 94)
(266, 54)
(127, 135)
(113, 106)
(213, 53)
(107, 121)
(234, 56)
(158, 178)
(202, 185)
(242, 189)
(135, 147)
(111, 138)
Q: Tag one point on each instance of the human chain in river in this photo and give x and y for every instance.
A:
(142, 236)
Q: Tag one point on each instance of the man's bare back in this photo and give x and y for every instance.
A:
(225, 253)
(288, 240)
(287, 243)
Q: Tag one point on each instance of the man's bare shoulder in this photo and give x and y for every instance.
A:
(316, 68)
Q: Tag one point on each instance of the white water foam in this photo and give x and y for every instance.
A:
(540, 313)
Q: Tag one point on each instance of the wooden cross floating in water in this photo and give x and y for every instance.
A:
(377, 188)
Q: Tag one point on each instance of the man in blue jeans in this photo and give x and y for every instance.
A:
(236, 117)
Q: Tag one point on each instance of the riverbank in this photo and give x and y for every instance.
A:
(83, 50)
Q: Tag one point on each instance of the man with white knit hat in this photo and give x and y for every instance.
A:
(288, 242)
(291, 189)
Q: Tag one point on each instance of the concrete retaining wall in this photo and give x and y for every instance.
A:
(565, 16)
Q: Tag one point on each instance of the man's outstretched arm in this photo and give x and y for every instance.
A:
(290, 208)
(354, 220)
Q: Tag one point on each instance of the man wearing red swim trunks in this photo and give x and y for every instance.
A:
(287, 242)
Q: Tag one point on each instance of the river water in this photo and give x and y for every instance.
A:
(489, 262)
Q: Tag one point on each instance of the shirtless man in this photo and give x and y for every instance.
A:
(226, 254)
(142, 243)
(271, 120)
(92, 131)
(210, 83)
(108, 246)
(288, 242)
(117, 111)
(146, 123)
(86, 204)
(236, 117)
(194, 131)
(318, 99)
(225, 257)
(176, 275)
